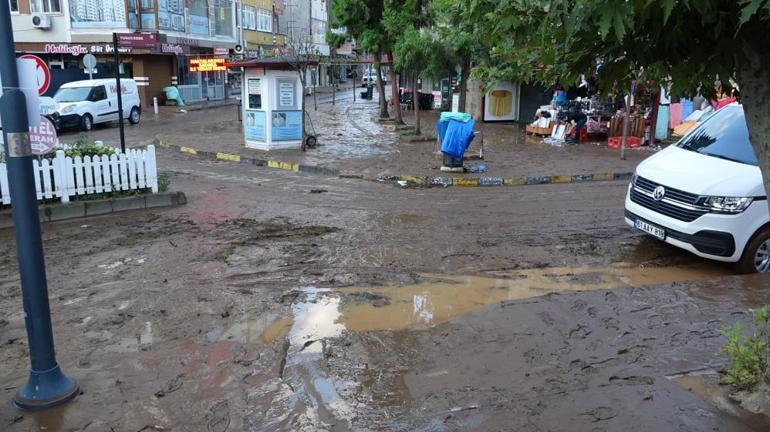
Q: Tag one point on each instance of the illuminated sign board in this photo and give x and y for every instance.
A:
(212, 64)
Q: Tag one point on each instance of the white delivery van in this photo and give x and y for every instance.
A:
(81, 104)
(705, 194)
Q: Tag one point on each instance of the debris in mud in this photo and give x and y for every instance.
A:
(318, 191)
(173, 385)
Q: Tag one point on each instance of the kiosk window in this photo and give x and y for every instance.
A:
(254, 89)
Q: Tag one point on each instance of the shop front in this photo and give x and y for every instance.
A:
(197, 85)
(152, 70)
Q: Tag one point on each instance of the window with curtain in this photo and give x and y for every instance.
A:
(223, 17)
(249, 18)
(264, 21)
(45, 6)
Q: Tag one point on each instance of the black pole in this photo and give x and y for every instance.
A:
(47, 385)
(120, 93)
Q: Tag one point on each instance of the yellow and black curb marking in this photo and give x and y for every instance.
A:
(417, 181)
(503, 181)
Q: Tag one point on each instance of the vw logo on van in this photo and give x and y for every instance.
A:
(658, 193)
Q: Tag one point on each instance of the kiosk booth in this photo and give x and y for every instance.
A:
(272, 103)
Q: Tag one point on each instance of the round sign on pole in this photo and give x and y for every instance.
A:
(43, 73)
(43, 138)
(89, 61)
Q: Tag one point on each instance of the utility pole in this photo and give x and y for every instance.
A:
(46, 386)
(120, 93)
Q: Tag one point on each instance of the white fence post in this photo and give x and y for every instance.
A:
(60, 176)
(151, 169)
(5, 194)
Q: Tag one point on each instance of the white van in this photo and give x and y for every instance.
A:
(705, 194)
(81, 104)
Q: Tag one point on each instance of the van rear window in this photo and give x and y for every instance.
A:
(723, 135)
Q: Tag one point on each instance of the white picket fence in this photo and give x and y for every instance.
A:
(63, 177)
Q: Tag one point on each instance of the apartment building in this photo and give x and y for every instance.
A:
(62, 31)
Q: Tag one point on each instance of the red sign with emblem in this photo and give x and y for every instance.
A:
(43, 73)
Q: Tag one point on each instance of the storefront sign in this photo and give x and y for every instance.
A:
(287, 126)
(42, 138)
(137, 40)
(172, 48)
(212, 64)
(78, 49)
(255, 125)
(221, 51)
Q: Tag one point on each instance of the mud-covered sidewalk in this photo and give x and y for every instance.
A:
(353, 143)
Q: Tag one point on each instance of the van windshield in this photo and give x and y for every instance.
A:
(72, 94)
(724, 135)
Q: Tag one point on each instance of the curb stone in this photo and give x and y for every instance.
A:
(420, 181)
(80, 209)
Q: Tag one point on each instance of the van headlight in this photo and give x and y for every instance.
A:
(68, 109)
(726, 204)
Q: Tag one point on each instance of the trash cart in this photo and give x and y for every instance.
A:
(455, 132)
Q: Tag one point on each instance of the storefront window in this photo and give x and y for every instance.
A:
(223, 19)
(141, 14)
(98, 13)
(47, 6)
(171, 15)
(198, 17)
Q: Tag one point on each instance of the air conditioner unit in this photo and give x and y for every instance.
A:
(41, 21)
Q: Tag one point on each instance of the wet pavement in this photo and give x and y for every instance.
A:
(261, 306)
(353, 143)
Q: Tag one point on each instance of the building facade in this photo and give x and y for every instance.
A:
(304, 23)
(64, 30)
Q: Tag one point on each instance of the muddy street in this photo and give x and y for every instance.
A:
(284, 301)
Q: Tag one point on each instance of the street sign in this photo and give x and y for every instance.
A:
(47, 105)
(137, 40)
(89, 61)
(43, 73)
(43, 137)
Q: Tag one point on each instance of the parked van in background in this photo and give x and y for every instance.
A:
(705, 194)
(81, 104)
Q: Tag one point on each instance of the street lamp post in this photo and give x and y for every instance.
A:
(47, 385)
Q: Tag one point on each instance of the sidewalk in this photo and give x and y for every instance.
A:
(353, 144)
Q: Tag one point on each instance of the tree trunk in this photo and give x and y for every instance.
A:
(394, 96)
(626, 124)
(754, 80)
(464, 73)
(381, 89)
(416, 103)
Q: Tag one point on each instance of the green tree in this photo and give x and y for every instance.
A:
(363, 21)
(687, 42)
(462, 39)
(416, 49)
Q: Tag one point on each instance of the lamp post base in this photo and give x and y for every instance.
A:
(46, 389)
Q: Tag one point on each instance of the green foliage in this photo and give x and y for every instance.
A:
(83, 146)
(687, 41)
(163, 183)
(748, 355)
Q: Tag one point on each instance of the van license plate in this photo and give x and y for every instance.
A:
(650, 229)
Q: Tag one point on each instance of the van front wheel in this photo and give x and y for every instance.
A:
(135, 115)
(86, 122)
(756, 257)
